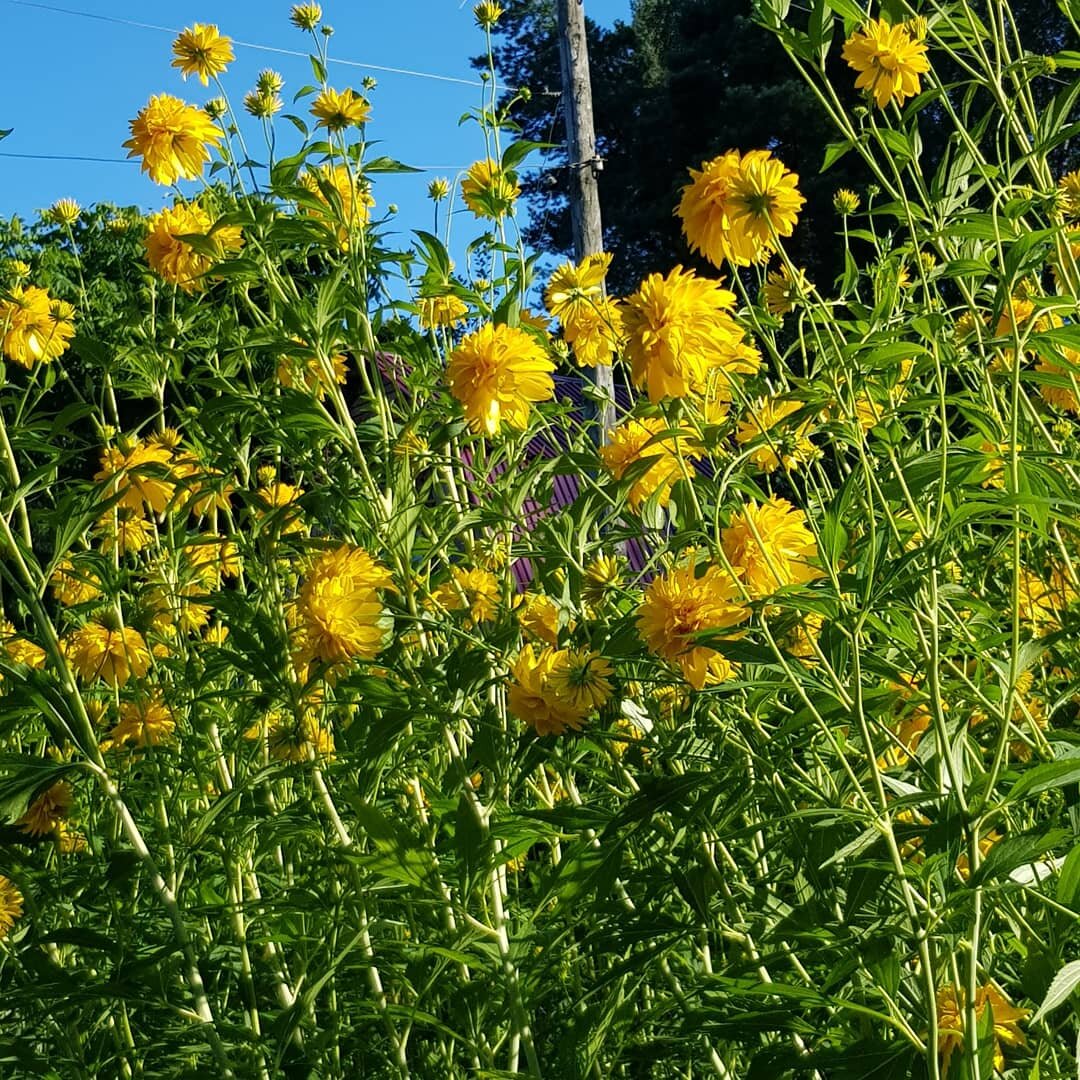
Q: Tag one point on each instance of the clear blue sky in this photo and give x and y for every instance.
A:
(76, 82)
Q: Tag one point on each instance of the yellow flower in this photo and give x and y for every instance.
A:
(438, 189)
(336, 110)
(765, 201)
(11, 905)
(19, 650)
(602, 576)
(47, 810)
(487, 13)
(963, 863)
(99, 652)
(284, 498)
(172, 138)
(16, 268)
(640, 440)
(177, 261)
(73, 586)
(65, 212)
(736, 206)
(34, 327)
(496, 373)
(707, 213)
(590, 321)
(845, 201)
(889, 62)
(313, 374)
(488, 191)
(299, 741)
(262, 105)
(773, 447)
(682, 604)
(146, 722)
(993, 471)
(443, 310)
(532, 700)
(340, 613)
(125, 532)
(1068, 191)
(201, 50)
(538, 615)
(783, 292)
(345, 199)
(474, 591)
(679, 330)
(1042, 604)
(951, 1010)
(572, 290)
(771, 546)
(1062, 393)
(139, 472)
(579, 677)
(305, 16)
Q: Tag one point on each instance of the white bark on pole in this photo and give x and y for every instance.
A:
(584, 165)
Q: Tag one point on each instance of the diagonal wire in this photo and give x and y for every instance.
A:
(245, 44)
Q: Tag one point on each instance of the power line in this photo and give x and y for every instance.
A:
(134, 161)
(247, 44)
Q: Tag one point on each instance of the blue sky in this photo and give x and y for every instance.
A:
(74, 92)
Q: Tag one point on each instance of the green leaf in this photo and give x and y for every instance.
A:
(1054, 774)
(1064, 983)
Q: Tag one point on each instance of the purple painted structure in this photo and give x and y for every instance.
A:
(565, 488)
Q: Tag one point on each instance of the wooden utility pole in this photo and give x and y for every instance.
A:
(584, 165)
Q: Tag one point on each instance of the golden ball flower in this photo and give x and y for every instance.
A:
(774, 443)
(34, 327)
(538, 616)
(177, 261)
(783, 292)
(340, 614)
(125, 531)
(683, 604)
(580, 678)
(639, 440)
(1060, 385)
(200, 50)
(533, 701)
(488, 191)
(438, 189)
(591, 322)
(140, 473)
(497, 373)
(474, 591)
(706, 212)
(765, 200)
(888, 61)
(770, 547)
(11, 905)
(144, 722)
(269, 81)
(951, 1012)
(65, 212)
(845, 201)
(305, 16)
(97, 652)
(262, 105)
(20, 650)
(679, 330)
(344, 200)
(313, 374)
(337, 110)
(173, 139)
(47, 810)
(444, 310)
(487, 13)
(72, 585)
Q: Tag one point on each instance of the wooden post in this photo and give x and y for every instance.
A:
(584, 165)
